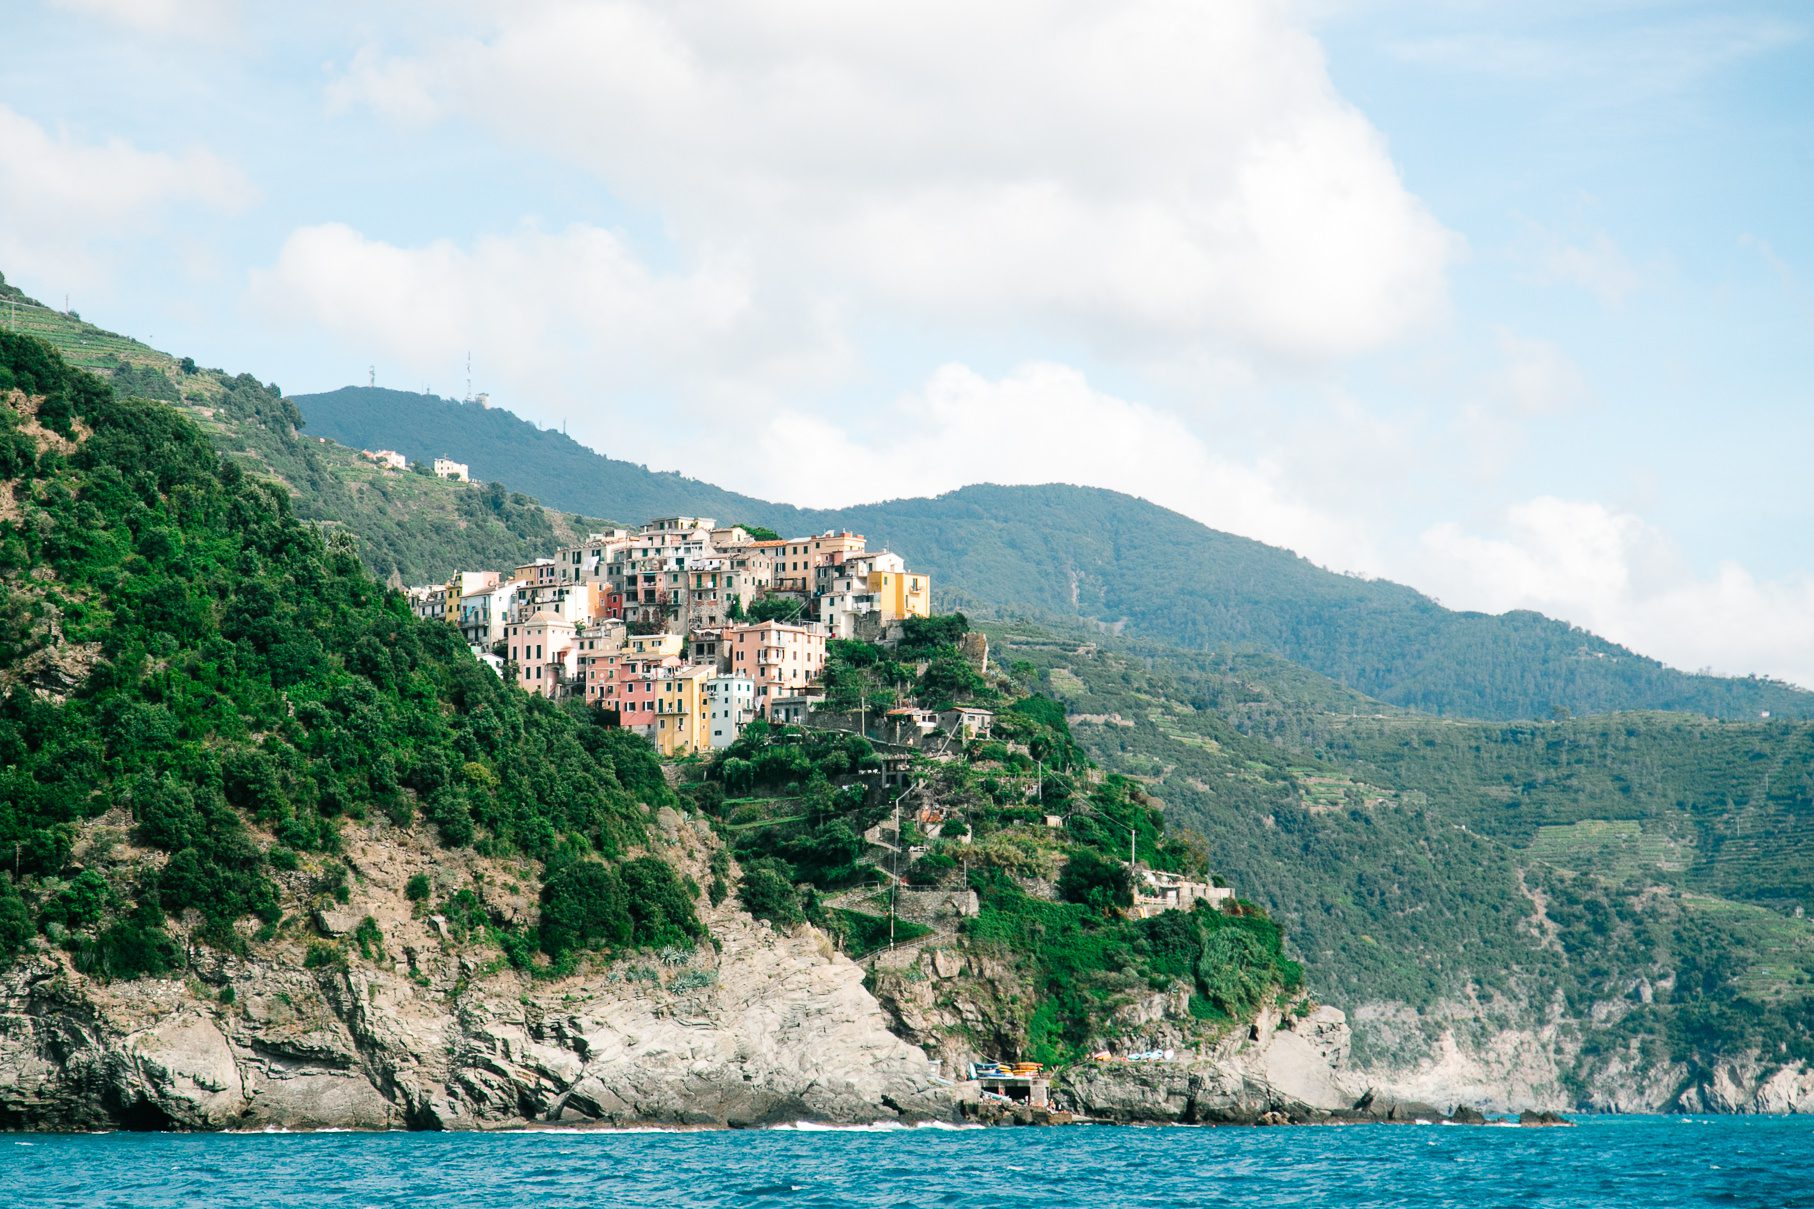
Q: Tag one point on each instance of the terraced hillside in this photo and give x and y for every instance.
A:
(1647, 874)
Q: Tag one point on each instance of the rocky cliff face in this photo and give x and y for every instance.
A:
(1476, 1054)
(767, 1028)
(965, 1005)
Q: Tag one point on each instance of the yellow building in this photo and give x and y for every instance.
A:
(683, 711)
(901, 594)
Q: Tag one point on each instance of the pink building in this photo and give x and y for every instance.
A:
(542, 650)
(780, 659)
(623, 679)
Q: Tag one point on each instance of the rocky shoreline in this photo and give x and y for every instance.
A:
(756, 1029)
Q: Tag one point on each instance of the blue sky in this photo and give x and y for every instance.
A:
(1511, 303)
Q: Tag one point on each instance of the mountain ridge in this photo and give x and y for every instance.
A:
(1109, 559)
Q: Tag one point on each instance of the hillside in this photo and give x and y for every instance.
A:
(409, 527)
(282, 855)
(1064, 552)
(543, 463)
(179, 653)
(1613, 907)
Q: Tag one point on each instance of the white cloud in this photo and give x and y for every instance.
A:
(1536, 377)
(1596, 265)
(569, 321)
(193, 17)
(60, 196)
(1611, 572)
(1161, 174)
(953, 430)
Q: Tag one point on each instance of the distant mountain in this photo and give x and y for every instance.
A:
(499, 446)
(1085, 553)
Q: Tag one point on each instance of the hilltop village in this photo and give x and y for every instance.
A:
(685, 629)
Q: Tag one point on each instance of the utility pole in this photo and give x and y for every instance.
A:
(894, 883)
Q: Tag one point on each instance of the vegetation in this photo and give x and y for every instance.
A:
(795, 805)
(177, 647)
(1427, 861)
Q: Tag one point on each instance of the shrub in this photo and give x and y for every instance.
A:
(322, 955)
(661, 908)
(768, 893)
(369, 938)
(416, 888)
(134, 947)
(1095, 881)
(15, 920)
(584, 907)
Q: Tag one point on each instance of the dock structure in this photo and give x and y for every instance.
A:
(1024, 1082)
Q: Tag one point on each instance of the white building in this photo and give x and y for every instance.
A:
(848, 594)
(387, 457)
(730, 702)
(447, 468)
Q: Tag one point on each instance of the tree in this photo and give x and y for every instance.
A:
(584, 907)
(661, 909)
(1096, 881)
(775, 608)
(768, 893)
(15, 920)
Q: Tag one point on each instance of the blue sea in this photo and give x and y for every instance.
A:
(1644, 1161)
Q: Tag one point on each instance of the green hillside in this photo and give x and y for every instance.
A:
(496, 444)
(1083, 553)
(200, 695)
(1422, 860)
(410, 528)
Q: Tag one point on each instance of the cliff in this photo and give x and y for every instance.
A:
(964, 1003)
(1491, 1056)
(767, 1028)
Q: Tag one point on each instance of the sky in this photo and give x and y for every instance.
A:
(1511, 303)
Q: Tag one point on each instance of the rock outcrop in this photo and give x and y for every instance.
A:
(757, 1028)
(1475, 1054)
(1291, 1069)
(964, 1004)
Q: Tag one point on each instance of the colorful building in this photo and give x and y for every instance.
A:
(780, 659)
(541, 649)
(730, 704)
(682, 714)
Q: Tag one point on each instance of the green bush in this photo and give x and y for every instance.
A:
(323, 956)
(416, 888)
(1098, 882)
(767, 892)
(584, 907)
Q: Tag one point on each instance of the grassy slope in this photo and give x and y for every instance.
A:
(1422, 859)
(1075, 552)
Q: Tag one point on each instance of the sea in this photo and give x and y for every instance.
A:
(1604, 1161)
